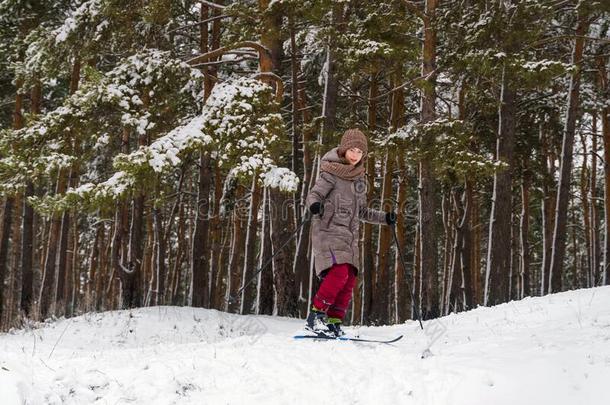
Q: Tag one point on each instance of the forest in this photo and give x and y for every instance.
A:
(159, 152)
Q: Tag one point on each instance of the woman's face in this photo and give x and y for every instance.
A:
(353, 156)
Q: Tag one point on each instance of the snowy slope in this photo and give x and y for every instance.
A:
(549, 350)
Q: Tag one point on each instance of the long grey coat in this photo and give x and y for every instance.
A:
(335, 235)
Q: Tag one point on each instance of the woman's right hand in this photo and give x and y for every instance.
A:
(316, 208)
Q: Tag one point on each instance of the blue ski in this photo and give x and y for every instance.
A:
(324, 337)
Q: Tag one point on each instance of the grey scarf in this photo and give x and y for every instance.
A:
(333, 164)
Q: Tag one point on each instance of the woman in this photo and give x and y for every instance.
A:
(337, 203)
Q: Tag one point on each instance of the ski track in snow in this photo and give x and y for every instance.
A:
(544, 350)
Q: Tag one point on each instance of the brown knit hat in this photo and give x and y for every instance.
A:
(352, 138)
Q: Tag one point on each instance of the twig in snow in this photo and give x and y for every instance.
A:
(46, 365)
(58, 339)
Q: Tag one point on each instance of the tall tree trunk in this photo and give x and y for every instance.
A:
(548, 205)
(174, 256)
(524, 272)
(468, 261)
(62, 260)
(331, 82)
(427, 180)
(216, 272)
(93, 271)
(299, 111)
(49, 282)
(200, 280)
(381, 301)
(14, 279)
(460, 263)
(249, 292)
(73, 286)
(217, 225)
(447, 249)
(281, 227)
(160, 296)
(402, 296)
(27, 253)
(577, 263)
(515, 259)
(117, 258)
(200, 251)
(9, 204)
(368, 269)
(99, 281)
(64, 236)
(417, 286)
(265, 298)
(223, 280)
(63, 273)
(605, 118)
(146, 279)
(122, 245)
(565, 171)
(477, 235)
(297, 161)
(498, 253)
(382, 270)
(236, 259)
(27, 240)
(176, 274)
(136, 252)
(595, 256)
(283, 277)
(586, 279)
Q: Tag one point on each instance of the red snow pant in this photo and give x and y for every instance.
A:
(335, 292)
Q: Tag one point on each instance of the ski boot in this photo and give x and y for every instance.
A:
(334, 326)
(316, 322)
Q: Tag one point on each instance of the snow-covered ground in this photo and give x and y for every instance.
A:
(550, 350)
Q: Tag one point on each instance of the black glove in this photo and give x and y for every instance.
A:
(316, 209)
(390, 218)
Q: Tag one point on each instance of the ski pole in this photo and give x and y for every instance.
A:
(404, 265)
(232, 298)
